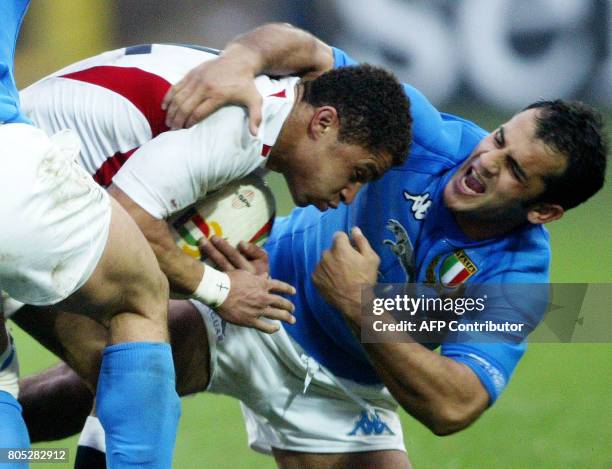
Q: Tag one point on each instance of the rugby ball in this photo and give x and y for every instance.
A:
(243, 210)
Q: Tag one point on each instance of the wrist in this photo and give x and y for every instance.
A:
(248, 58)
(213, 288)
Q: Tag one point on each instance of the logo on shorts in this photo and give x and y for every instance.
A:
(370, 424)
(218, 325)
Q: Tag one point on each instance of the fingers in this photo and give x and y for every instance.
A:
(361, 242)
(232, 254)
(280, 287)
(210, 251)
(340, 243)
(185, 101)
(170, 95)
(174, 99)
(264, 326)
(252, 251)
(279, 314)
(254, 102)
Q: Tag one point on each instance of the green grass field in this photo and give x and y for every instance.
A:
(555, 413)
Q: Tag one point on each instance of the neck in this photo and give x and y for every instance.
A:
(479, 229)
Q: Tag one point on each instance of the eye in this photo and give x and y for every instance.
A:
(359, 175)
(516, 171)
(499, 139)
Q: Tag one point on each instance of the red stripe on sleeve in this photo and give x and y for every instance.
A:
(143, 89)
(104, 174)
(280, 94)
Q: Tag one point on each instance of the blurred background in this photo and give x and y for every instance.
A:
(482, 59)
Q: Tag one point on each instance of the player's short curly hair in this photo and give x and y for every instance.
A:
(574, 130)
(373, 110)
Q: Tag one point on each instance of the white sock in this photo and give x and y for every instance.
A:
(93, 434)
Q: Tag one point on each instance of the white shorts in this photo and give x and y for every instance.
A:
(55, 218)
(289, 401)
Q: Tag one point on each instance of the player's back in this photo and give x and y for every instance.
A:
(112, 101)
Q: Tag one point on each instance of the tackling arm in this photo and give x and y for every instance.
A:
(443, 394)
(275, 49)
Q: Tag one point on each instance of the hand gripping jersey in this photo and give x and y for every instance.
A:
(113, 102)
(405, 206)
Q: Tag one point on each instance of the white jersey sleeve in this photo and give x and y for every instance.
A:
(177, 168)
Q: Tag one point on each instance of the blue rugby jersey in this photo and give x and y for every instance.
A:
(408, 199)
(11, 16)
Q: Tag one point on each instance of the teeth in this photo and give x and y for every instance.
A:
(477, 177)
(465, 186)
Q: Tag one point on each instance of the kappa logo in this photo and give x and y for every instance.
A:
(420, 204)
(370, 424)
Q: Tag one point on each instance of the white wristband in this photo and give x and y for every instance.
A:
(213, 288)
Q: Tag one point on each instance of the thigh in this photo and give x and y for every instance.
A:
(392, 459)
(127, 287)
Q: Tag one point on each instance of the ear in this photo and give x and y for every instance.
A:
(544, 213)
(323, 118)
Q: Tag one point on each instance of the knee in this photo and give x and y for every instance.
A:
(149, 297)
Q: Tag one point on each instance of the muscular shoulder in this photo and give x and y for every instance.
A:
(523, 256)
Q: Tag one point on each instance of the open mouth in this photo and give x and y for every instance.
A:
(471, 182)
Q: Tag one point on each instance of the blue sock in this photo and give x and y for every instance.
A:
(137, 405)
(13, 431)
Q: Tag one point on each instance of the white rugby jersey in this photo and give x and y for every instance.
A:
(113, 102)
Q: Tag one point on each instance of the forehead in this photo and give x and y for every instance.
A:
(531, 153)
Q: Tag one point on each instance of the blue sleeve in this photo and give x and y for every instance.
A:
(493, 363)
(517, 291)
(341, 59)
(11, 16)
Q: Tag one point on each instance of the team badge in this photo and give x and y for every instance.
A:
(456, 268)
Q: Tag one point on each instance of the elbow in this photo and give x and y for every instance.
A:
(449, 418)
(453, 419)
(448, 426)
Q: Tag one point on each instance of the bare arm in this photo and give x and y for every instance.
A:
(183, 271)
(281, 49)
(275, 48)
(251, 297)
(441, 393)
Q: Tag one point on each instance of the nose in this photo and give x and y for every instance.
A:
(348, 194)
(490, 162)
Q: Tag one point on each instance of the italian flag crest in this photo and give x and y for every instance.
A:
(456, 269)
